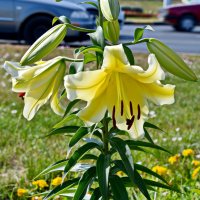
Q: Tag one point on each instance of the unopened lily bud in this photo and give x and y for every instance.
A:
(169, 60)
(45, 44)
(110, 9)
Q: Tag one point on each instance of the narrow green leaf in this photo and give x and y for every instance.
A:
(131, 143)
(58, 166)
(149, 171)
(90, 48)
(160, 185)
(149, 125)
(81, 132)
(138, 34)
(89, 57)
(118, 188)
(64, 121)
(139, 181)
(148, 136)
(129, 55)
(55, 19)
(91, 3)
(78, 154)
(103, 168)
(70, 106)
(89, 157)
(125, 154)
(84, 183)
(65, 129)
(96, 194)
(62, 188)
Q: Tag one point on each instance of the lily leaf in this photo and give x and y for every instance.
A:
(103, 168)
(84, 183)
(118, 188)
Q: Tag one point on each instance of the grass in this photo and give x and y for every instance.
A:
(24, 152)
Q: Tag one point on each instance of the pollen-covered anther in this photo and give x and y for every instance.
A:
(130, 122)
(131, 108)
(139, 112)
(113, 117)
(122, 107)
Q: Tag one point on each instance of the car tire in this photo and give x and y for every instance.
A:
(186, 23)
(35, 27)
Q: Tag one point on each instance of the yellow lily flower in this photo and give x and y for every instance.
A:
(121, 89)
(39, 83)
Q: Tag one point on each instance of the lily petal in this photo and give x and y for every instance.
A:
(79, 86)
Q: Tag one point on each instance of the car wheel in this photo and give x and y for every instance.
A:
(186, 23)
(35, 27)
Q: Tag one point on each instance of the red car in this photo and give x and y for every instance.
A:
(183, 17)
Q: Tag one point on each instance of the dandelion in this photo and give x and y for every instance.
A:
(56, 181)
(21, 192)
(196, 163)
(195, 173)
(187, 152)
(173, 159)
(162, 171)
(40, 183)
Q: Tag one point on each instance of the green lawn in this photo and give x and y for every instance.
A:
(24, 153)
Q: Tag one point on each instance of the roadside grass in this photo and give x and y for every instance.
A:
(24, 152)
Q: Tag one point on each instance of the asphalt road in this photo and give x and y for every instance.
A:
(179, 41)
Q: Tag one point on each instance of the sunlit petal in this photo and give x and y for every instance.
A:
(85, 85)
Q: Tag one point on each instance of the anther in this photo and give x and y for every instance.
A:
(131, 122)
(139, 112)
(113, 117)
(131, 108)
(21, 95)
(122, 108)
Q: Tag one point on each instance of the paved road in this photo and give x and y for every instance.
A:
(180, 42)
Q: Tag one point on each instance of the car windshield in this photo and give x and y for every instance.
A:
(191, 1)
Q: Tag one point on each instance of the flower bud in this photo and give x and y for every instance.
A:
(110, 9)
(170, 61)
(45, 44)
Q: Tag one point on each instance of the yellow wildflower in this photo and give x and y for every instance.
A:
(195, 173)
(187, 152)
(21, 192)
(173, 159)
(36, 198)
(40, 183)
(160, 170)
(120, 173)
(196, 163)
(56, 181)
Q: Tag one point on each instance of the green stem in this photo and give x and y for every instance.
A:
(139, 41)
(76, 28)
(105, 135)
(100, 15)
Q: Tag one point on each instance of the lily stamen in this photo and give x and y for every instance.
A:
(122, 108)
(131, 108)
(139, 113)
(113, 117)
(131, 122)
